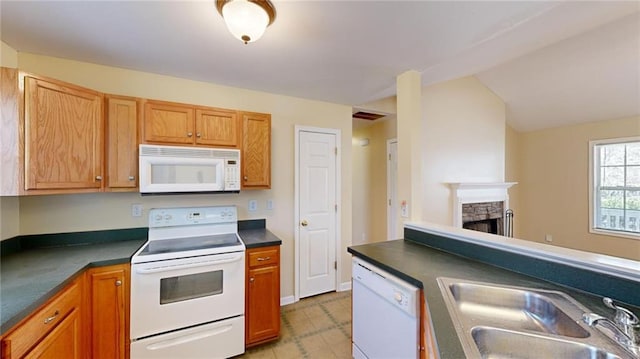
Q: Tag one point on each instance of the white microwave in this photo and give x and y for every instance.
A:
(173, 169)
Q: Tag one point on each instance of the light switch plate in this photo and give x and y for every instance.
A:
(136, 210)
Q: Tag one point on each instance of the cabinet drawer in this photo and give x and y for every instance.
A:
(259, 258)
(44, 320)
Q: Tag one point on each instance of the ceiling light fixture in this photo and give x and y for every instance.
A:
(247, 19)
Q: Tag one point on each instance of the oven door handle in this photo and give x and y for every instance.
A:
(188, 338)
(167, 268)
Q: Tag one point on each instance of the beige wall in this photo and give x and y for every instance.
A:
(554, 189)
(62, 213)
(8, 56)
(9, 217)
(370, 181)
(512, 174)
(464, 141)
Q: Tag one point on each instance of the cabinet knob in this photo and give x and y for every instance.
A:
(132, 178)
(304, 223)
(198, 134)
(52, 318)
(245, 178)
(118, 283)
(98, 178)
(189, 134)
(252, 279)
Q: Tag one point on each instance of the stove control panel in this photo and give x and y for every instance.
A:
(170, 217)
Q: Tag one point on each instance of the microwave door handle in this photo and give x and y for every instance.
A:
(188, 338)
(187, 265)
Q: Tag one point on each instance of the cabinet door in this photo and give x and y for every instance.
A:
(256, 150)
(122, 143)
(63, 136)
(63, 341)
(217, 128)
(109, 288)
(263, 304)
(168, 123)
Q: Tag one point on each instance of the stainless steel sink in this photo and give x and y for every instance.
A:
(498, 321)
(495, 343)
(518, 308)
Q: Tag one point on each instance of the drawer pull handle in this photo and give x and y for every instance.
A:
(132, 178)
(260, 259)
(51, 318)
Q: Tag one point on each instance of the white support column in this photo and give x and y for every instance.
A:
(409, 112)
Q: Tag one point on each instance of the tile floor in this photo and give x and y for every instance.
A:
(317, 327)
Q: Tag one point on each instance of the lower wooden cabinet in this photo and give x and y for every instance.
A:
(55, 330)
(89, 318)
(109, 297)
(262, 302)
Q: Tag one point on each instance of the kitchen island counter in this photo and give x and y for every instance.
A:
(421, 265)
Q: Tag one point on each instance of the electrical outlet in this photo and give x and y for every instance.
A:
(253, 205)
(136, 210)
(404, 209)
(269, 204)
(548, 238)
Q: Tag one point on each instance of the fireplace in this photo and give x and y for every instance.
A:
(480, 206)
(484, 217)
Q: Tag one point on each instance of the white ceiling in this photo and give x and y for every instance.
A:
(552, 62)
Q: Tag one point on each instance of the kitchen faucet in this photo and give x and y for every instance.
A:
(625, 325)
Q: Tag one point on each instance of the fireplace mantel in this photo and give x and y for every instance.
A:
(477, 192)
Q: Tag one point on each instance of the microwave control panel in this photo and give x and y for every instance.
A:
(231, 175)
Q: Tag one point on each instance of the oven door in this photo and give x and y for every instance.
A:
(173, 294)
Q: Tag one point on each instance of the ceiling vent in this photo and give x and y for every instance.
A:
(367, 115)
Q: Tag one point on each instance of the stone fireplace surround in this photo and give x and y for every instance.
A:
(486, 196)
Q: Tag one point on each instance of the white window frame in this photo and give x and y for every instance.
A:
(593, 178)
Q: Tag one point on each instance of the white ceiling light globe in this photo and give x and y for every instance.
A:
(245, 20)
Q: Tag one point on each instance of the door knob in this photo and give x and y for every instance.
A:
(304, 223)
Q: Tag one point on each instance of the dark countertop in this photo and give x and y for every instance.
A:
(34, 268)
(421, 265)
(31, 277)
(260, 237)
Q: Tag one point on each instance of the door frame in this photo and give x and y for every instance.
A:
(391, 232)
(296, 204)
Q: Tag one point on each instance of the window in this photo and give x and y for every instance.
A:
(615, 183)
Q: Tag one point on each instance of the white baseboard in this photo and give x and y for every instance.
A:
(344, 286)
(287, 300)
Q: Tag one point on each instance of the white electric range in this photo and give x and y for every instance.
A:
(187, 285)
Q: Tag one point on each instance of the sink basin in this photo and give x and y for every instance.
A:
(495, 343)
(499, 321)
(517, 308)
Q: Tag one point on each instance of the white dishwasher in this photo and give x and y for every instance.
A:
(385, 314)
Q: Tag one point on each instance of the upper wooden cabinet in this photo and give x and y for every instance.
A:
(11, 165)
(168, 123)
(256, 150)
(180, 124)
(219, 128)
(122, 143)
(63, 137)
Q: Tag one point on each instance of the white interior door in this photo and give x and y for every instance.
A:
(392, 190)
(317, 213)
